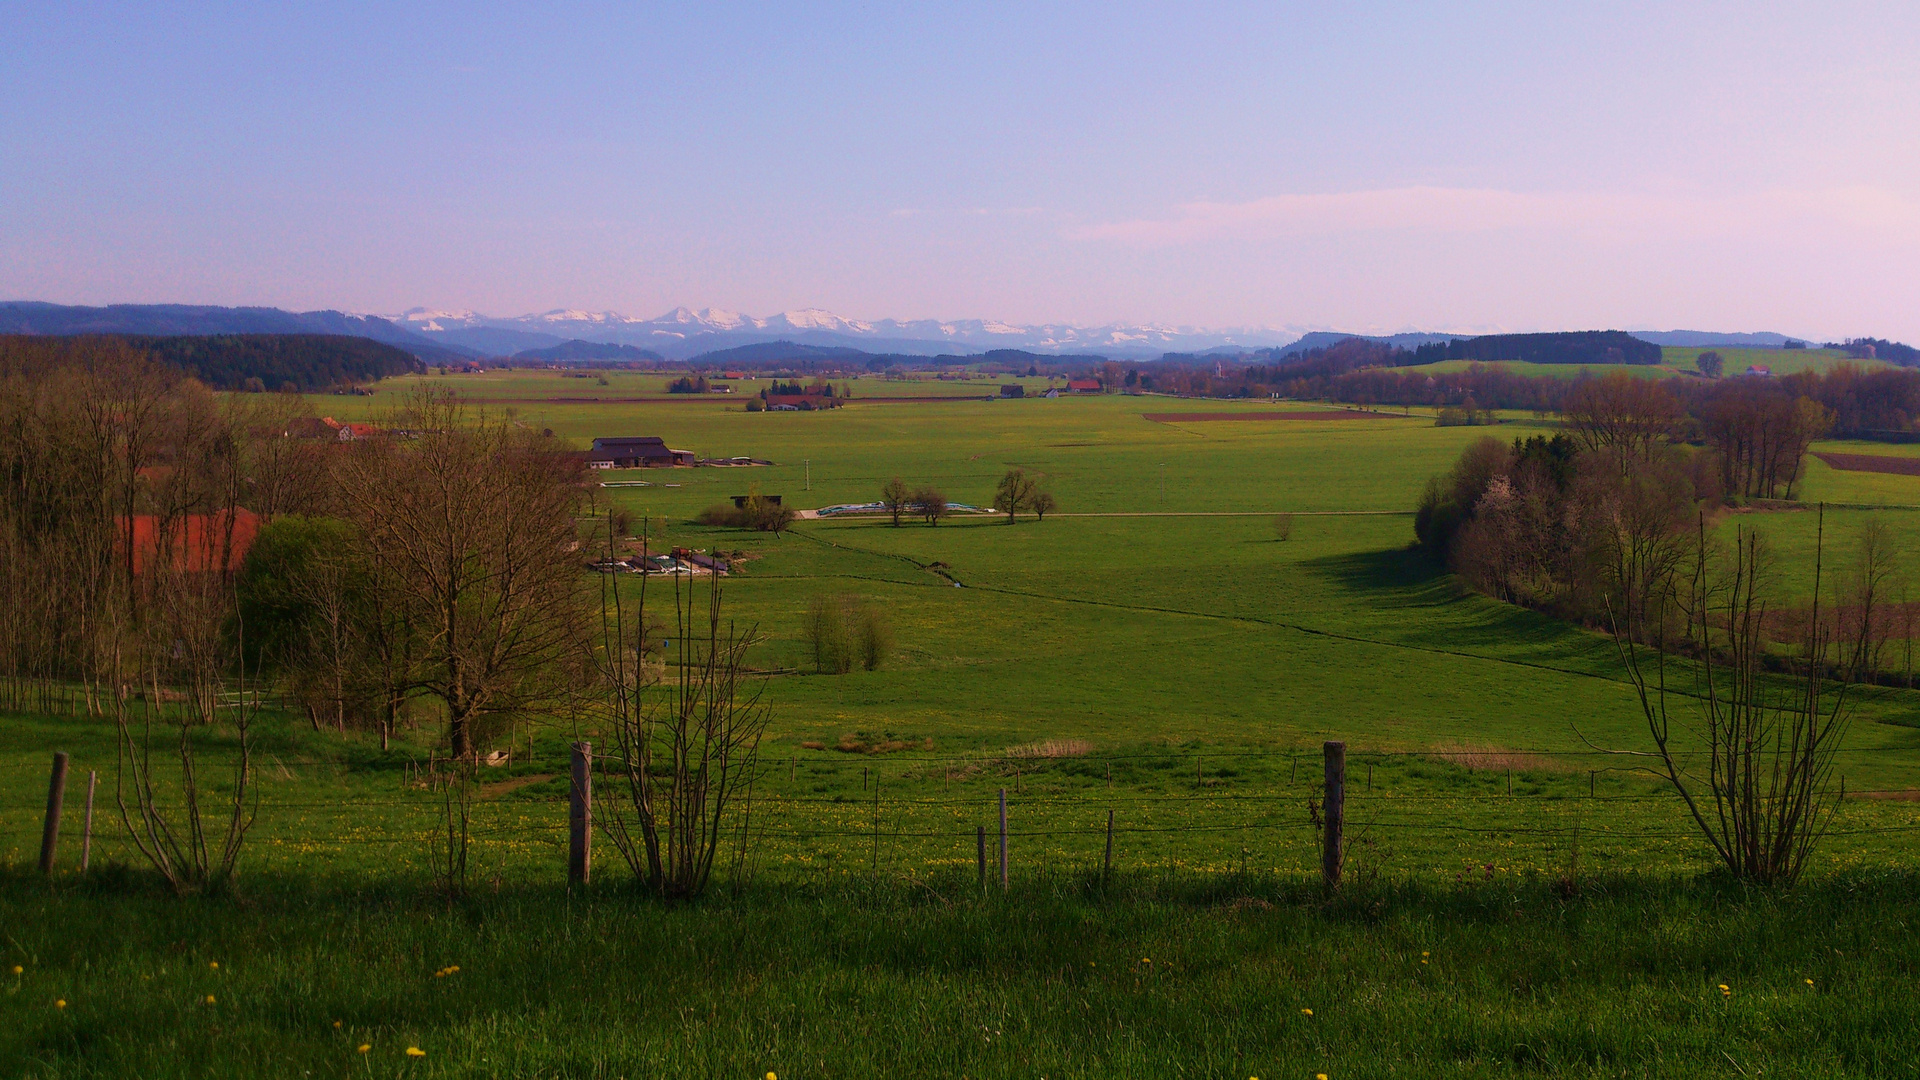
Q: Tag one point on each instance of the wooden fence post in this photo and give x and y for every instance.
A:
(86, 832)
(876, 820)
(580, 816)
(980, 854)
(1334, 811)
(1106, 865)
(56, 795)
(1003, 839)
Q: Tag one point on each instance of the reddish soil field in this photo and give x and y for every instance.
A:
(689, 399)
(1899, 466)
(1304, 414)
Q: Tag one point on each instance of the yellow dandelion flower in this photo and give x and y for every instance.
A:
(17, 969)
(209, 999)
(771, 1076)
(414, 1051)
(1319, 1076)
(1724, 986)
(336, 1025)
(215, 964)
(60, 1003)
(1809, 981)
(364, 1047)
(1424, 952)
(1306, 1012)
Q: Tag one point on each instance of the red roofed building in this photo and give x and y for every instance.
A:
(195, 543)
(1084, 386)
(326, 427)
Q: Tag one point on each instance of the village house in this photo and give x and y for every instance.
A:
(326, 427)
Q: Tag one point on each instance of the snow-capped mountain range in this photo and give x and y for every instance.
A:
(683, 332)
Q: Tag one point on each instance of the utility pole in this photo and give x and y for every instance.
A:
(809, 464)
(1163, 484)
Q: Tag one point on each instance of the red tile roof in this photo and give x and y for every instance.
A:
(199, 542)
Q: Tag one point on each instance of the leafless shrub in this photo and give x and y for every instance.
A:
(1755, 764)
(453, 835)
(1283, 526)
(688, 750)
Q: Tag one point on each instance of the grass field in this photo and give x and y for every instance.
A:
(1152, 650)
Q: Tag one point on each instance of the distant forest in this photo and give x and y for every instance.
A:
(1583, 347)
(304, 362)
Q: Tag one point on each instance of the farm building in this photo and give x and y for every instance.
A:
(636, 452)
(1013, 390)
(326, 427)
(193, 543)
(1084, 386)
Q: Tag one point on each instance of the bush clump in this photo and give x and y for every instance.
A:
(847, 631)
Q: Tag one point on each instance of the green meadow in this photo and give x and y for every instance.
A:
(1519, 899)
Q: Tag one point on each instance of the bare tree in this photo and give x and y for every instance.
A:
(469, 530)
(1762, 434)
(1014, 494)
(931, 504)
(1710, 364)
(895, 497)
(1042, 505)
(1621, 416)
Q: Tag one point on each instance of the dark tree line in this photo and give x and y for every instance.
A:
(303, 362)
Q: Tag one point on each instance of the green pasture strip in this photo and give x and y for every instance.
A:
(1151, 974)
(1664, 370)
(328, 806)
(1779, 361)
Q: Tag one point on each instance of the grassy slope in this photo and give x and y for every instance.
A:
(1062, 979)
(1194, 653)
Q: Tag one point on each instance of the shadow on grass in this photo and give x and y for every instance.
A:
(1409, 578)
(1396, 577)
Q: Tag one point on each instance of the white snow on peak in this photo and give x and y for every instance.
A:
(816, 319)
(428, 315)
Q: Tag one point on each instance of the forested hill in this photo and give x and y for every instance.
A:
(176, 320)
(307, 362)
(589, 350)
(1581, 347)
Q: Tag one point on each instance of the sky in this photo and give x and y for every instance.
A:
(1361, 166)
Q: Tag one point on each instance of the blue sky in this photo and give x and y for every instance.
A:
(1376, 166)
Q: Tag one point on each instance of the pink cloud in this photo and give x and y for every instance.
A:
(1882, 216)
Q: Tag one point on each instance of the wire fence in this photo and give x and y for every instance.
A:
(1462, 813)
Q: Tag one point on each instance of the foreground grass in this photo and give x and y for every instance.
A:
(1154, 976)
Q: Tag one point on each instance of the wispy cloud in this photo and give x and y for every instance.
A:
(1883, 213)
(968, 211)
